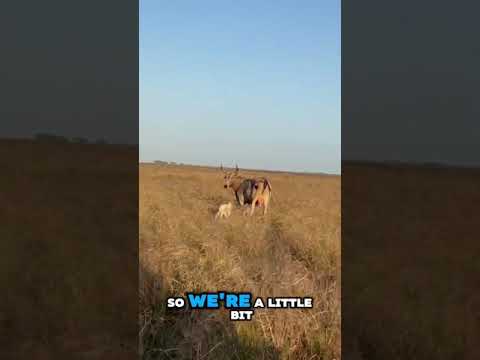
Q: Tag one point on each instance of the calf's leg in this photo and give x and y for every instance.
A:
(253, 206)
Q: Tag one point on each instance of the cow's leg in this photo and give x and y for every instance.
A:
(241, 199)
(265, 205)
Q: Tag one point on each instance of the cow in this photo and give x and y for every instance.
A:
(242, 187)
(262, 195)
(248, 191)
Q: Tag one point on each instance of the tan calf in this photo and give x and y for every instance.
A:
(224, 211)
(263, 194)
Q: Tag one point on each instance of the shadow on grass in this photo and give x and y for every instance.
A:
(189, 334)
(68, 250)
(410, 262)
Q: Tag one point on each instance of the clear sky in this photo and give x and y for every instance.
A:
(250, 82)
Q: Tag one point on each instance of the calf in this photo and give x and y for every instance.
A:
(262, 195)
(224, 211)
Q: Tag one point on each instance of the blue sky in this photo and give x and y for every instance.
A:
(251, 82)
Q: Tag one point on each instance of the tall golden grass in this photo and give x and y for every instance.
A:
(410, 262)
(292, 251)
(68, 261)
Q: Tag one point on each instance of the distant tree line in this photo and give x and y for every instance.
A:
(167, 163)
(51, 138)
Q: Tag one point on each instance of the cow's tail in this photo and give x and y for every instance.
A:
(267, 184)
(270, 188)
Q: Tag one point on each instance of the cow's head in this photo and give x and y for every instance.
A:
(228, 176)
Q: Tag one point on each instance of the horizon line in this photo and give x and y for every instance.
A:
(174, 163)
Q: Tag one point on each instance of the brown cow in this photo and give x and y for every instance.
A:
(262, 196)
(248, 191)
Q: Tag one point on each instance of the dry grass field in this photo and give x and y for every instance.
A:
(68, 251)
(410, 262)
(293, 251)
